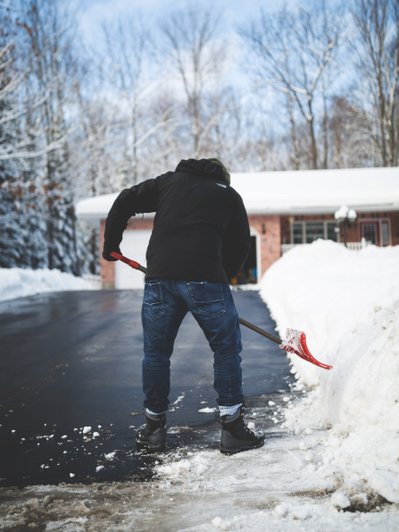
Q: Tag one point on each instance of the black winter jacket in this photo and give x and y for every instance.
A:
(201, 230)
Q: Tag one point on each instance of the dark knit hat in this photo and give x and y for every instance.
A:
(226, 173)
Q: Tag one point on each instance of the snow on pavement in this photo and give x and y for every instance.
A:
(280, 487)
(20, 282)
(339, 456)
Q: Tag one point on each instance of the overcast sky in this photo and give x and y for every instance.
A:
(92, 13)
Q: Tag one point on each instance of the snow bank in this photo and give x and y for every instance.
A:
(18, 282)
(347, 302)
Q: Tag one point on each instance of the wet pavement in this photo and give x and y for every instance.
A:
(70, 385)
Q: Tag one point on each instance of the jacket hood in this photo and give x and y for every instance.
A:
(212, 168)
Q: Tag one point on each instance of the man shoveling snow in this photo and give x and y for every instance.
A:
(200, 239)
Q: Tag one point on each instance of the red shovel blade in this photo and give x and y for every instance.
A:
(296, 343)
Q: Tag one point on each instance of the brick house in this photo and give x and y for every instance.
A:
(284, 209)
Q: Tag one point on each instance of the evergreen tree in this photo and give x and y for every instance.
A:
(11, 189)
(50, 53)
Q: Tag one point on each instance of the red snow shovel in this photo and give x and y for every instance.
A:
(294, 343)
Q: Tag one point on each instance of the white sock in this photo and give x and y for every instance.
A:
(151, 413)
(229, 410)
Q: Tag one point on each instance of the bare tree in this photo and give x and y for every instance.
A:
(127, 73)
(122, 67)
(348, 130)
(292, 51)
(377, 49)
(197, 56)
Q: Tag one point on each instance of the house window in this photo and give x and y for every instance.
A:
(332, 232)
(307, 232)
(385, 233)
(377, 232)
(314, 230)
(370, 232)
(297, 237)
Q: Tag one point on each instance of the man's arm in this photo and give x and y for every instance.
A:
(238, 241)
(139, 198)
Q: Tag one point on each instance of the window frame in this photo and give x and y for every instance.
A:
(303, 223)
(379, 223)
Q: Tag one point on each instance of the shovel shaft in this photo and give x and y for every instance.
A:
(260, 331)
(130, 262)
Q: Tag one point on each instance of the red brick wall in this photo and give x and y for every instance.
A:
(269, 231)
(395, 228)
(140, 223)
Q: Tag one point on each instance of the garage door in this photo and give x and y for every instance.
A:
(134, 245)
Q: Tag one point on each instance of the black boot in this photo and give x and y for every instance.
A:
(236, 436)
(151, 437)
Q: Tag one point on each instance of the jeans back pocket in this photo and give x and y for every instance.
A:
(207, 298)
(153, 304)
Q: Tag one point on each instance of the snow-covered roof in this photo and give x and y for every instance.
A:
(297, 192)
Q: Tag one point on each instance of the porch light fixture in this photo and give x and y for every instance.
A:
(345, 218)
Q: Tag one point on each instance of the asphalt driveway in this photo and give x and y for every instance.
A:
(70, 385)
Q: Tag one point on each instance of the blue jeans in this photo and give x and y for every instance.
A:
(165, 304)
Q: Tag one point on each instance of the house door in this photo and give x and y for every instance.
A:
(370, 232)
(249, 272)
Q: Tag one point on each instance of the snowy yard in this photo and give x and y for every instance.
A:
(333, 463)
(22, 282)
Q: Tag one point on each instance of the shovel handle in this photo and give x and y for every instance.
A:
(130, 262)
(260, 331)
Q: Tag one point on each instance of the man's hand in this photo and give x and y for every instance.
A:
(107, 254)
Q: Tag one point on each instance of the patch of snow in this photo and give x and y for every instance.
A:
(340, 500)
(207, 410)
(179, 399)
(347, 302)
(76, 524)
(19, 282)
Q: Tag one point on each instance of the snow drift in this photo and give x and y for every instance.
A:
(347, 302)
(19, 282)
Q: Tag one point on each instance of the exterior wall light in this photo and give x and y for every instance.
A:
(345, 218)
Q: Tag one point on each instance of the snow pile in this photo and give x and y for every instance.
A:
(18, 282)
(347, 302)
